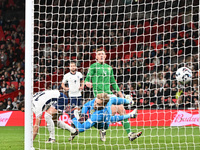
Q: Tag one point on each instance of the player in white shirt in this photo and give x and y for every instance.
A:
(75, 85)
(53, 102)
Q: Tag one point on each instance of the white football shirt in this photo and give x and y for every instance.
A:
(40, 99)
(74, 81)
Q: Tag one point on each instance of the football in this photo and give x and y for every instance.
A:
(183, 75)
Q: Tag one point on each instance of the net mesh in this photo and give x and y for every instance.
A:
(145, 41)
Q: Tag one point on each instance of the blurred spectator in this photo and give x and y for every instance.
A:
(19, 78)
(2, 106)
(171, 104)
(20, 86)
(179, 93)
(21, 106)
(13, 87)
(9, 89)
(18, 67)
(15, 103)
(195, 99)
(9, 105)
(11, 56)
(20, 97)
(187, 99)
(5, 102)
(162, 103)
(3, 57)
(3, 88)
(6, 76)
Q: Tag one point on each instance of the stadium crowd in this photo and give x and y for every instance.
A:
(146, 69)
(12, 49)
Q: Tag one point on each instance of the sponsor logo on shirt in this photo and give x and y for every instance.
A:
(92, 111)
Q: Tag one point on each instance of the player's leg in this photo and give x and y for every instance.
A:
(73, 135)
(50, 123)
(80, 102)
(103, 127)
(121, 111)
(37, 110)
(102, 132)
(36, 126)
(61, 124)
(60, 106)
(117, 118)
(81, 120)
(73, 102)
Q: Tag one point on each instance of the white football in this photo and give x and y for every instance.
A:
(183, 75)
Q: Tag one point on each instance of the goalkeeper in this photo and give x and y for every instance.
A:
(102, 77)
(101, 114)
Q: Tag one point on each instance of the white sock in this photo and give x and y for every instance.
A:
(65, 126)
(50, 125)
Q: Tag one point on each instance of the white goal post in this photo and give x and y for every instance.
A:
(145, 42)
(29, 28)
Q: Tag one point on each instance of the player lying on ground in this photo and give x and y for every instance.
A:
(101, 114)
(53, 102)
(89, 108)
(99, 77)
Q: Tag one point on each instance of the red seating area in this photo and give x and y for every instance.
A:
(2, 36)
(50, 79)
(11, 95)
(149, 36)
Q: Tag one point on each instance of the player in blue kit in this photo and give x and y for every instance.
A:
(53, 102)
(101, 114)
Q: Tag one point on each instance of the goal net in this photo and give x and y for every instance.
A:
(145, 42)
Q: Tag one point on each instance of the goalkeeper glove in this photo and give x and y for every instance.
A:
(129, 97)
(77, 114)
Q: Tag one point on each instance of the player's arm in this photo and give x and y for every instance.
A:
(64, 87)
(114, 84)
(87, 106)
(81, 84)
(88, 77)
(120, 94)
(119, 101)
(63, 84)
(86, 125)
(36, 126)
(119, 118)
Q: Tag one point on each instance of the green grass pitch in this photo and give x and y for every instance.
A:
(175, 138)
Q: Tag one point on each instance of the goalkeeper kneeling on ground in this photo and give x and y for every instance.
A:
(101, 114)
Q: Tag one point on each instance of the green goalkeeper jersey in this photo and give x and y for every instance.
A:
(102, 77)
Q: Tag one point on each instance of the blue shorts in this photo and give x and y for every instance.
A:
(76, 101)
(61, 102)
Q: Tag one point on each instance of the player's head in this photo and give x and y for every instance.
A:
(100, 55)
(72, 66)
(101, 101)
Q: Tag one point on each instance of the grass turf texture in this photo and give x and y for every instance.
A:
(183, 138)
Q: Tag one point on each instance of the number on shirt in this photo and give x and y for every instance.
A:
(37, 95)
